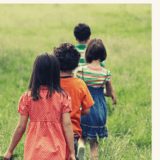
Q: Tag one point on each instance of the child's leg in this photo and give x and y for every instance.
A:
(82, 142)
(81, 149)
(94, 149)
(76, 145)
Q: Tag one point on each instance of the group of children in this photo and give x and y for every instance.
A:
(65, 102)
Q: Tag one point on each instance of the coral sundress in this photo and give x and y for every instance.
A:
(45, 138)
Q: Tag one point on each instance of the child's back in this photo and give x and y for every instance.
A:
(45, 125)
(81, 48)
(94, 124)
(94, 76)
(80, 97)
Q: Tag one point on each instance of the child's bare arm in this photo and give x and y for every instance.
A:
(87, 101)
(68, 131)
(19, 131)
(110, 92)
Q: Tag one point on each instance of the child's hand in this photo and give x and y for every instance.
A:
(114, 100)
(72, 157)
(7, 155)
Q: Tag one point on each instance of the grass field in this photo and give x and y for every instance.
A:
(27, 30)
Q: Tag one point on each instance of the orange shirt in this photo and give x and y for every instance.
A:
(45, 137)
(80, 97)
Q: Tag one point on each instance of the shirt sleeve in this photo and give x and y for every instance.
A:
(23, 106)
(87, 100)
(66, 103)
(108, 75)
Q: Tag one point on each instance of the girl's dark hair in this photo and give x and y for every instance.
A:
(82, 32)
(95, 50)
(68, 56)
(46, 72)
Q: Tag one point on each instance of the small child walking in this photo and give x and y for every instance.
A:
(81, 99)
(82, 33)
(96, 77)
(49, 135)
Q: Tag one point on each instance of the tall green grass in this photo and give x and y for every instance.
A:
(27, 30)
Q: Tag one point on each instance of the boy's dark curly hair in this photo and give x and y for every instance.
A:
(82, 32)
(68, 56)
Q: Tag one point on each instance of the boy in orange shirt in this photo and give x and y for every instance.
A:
(68, 57)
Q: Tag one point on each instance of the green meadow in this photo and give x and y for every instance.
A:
(28, 30)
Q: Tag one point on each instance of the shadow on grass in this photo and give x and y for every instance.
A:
(14, 157)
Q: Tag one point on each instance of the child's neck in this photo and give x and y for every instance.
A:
(65, 74)
(95, 63)
(82, 42)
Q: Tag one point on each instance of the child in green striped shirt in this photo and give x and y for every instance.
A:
(82, 33)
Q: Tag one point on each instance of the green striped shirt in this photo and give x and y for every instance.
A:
(81, 48)
(94, 76)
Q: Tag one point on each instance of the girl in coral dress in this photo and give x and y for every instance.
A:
(49, 133)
